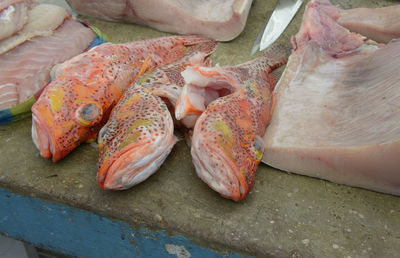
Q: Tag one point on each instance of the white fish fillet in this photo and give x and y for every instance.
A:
(42, 21)
(220, 20)
(12, 17)
(337, 113)
(25, 69)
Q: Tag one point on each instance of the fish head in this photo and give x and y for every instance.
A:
(134, 142)
(226, 151)
(60, 125)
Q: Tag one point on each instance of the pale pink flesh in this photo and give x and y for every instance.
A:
(26, 68)
(43, 20)
(220, 20)
(337, 116)
(13, 18)
(197, 93)
(379, 24)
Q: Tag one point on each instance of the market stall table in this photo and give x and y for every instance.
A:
(58, 206)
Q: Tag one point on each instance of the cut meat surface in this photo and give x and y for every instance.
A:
(26, 68)
(337, 111)
(220, 20)
(42, 21)
(379, 24)
(13, 16)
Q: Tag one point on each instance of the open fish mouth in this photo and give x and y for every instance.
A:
(218, 171)
(202, 86)
(42, 139)
(133, 164)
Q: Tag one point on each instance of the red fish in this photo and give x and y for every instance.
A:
(227, 143)
(140, 132)
(77, 103)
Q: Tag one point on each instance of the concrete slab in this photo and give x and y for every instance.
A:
(284, 215)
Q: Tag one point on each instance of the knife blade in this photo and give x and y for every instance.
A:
(280, 18)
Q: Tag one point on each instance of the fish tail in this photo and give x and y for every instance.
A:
(191, 40)
(206, 47)
(277, 55)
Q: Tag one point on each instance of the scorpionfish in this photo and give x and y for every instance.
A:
(77, 103)
(140, 132)
(235, 106)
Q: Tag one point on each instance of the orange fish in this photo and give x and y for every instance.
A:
(77, 103)
(140, 132)
(235, 104)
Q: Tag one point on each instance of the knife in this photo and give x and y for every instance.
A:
(280, 18)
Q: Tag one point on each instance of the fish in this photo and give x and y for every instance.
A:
(77, 103)
(139, 134)
(25, 69)
(219, 20)
(13, 16)
(336, 114)
(234, 105)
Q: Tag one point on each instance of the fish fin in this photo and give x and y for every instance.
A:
(207, 47)
(145, 67)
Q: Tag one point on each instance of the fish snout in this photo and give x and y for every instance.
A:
(43, 141)
(134, 163)
(219, 171)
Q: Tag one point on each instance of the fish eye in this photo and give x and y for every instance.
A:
(259, 144)
(89, 114)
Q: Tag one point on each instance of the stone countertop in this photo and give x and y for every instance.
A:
(284, 215)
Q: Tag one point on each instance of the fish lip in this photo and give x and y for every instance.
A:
(119, 161)
(235, 190)
(48, 149)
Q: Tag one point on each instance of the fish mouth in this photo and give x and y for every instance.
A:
(42, 140)
(133, 164)
(218, 171)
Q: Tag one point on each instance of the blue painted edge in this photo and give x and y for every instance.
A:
(5, 116)
(66, 230)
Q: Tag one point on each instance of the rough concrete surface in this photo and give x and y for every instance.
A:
(284, 215)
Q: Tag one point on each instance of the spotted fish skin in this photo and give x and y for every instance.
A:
(227, 143)
(77, 103)
(140, 132)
